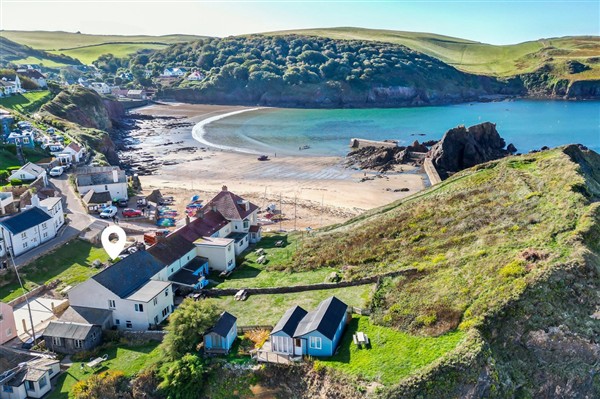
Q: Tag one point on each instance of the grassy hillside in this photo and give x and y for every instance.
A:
(481, 58)
(11, 51)
(494, 246)
(88, 48)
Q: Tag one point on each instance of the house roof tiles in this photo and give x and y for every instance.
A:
(231, 206)
(25, 220)
(172, 248)
(325, 319)
(99, 175)
(290, 320)
(93, 197)
(205, 226)
(130, 274)
(68, 330)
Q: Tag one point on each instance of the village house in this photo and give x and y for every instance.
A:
(221, 336)
(10, 85)
(95, 202)
(6, 120)
(76, 151)
(126, 288)
(195, 76)
(173, 72)
(29, 172)
(36, 76)
(102, 178)
(315, 333)
(100, 87)
(69, 338)
(33, 226)
(25, 376)
(21, 139)
(136, 94)
(8, 327)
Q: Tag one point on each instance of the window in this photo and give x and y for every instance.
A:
(139, 307)
(57, 341)
(155, 319)
(128, 324)
(155, 301)
(43, 382)
(50, 371)
(246, 223)
(165, 311)
(117, 321)
(44, 226)
(315, 342)
(78, 343)
(93, 336)
(8, 332)
(1, 317)
(24, 245)
(111, 304)
(29, 386)
(23, 235)
(7, 389)
(167, 292)
(45, 235)
(106, 187)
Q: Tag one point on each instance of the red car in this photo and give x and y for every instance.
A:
(131, 213)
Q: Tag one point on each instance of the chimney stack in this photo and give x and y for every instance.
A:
(224, 188)
(247, 203)
(115, 174)
(187, 220)
(35, 200)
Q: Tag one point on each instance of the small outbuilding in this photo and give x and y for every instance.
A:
(220, 338)
(65, 337)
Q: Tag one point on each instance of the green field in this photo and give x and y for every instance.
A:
(251, 274)
(268, 309)
(26, 102)
(87, 48)
(476, 57)
(88, 54)
(71, 264)
(129, 360)
(391, 355)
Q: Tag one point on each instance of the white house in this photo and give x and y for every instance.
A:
(137, 302)
(195, 76)
(35, 75)
(100, 87)
(102, 178)
(174, 72)
(31, 227)
(76, 151)
(24, 376)
(10, 85)
(219, 251)
(29, 172)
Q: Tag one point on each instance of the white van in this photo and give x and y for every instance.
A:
(56, 171)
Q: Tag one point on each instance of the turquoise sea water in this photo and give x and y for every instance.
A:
(528, 124)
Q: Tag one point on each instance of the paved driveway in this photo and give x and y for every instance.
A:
(41, 311)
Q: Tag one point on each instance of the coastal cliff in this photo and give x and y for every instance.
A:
(86, 116)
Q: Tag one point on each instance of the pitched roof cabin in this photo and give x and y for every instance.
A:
(314, 333)
(221, 336)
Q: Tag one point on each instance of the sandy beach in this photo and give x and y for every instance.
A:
(312, 191)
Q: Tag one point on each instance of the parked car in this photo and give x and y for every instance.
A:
(131, 213)
(108, 212)
(122, 203)
(56, 171)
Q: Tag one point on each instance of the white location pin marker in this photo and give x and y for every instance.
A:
(113, 249)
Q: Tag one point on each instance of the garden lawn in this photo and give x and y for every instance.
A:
(268, 309)
(25, 102)
(128, 359)
(71, 264)
(251, 274)
(391, 355)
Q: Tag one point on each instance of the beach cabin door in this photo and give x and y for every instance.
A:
(297, 347)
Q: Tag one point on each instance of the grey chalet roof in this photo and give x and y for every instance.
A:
(290, 320)
(68, 330)
(129, 274)
(80, 314)
(231, 206)
(11, 359)
(99, 175)
(25, 220)
(172, 248)
(92, 197)
(224, 324)
(185, 275)
(325, 319)
(31, 168)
